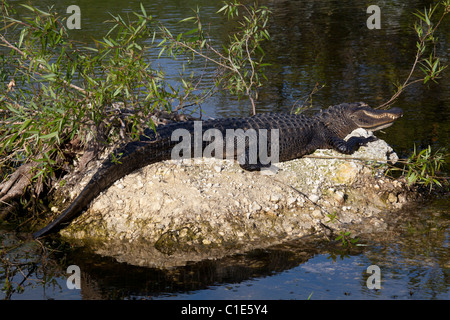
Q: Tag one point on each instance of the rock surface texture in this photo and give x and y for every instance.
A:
(172, 212)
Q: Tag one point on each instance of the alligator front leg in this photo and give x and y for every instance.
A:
(351, 145)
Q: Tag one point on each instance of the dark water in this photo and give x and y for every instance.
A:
(324, 42)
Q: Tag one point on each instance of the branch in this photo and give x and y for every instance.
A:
(420, 50)
(9, 45)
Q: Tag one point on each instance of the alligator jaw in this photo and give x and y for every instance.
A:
(383, 126)
(374, 120)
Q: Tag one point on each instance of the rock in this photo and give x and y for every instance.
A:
(317, 213)
(402, 198)
(275, 197)
(187, 211)
(255, 207)
(392, 198)
(346, 173)
(339, 197)
(314, 198)
(291, 201)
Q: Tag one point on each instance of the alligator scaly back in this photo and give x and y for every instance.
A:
(297, 136)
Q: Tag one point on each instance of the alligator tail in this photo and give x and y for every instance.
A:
(132, 157)
(75, 209)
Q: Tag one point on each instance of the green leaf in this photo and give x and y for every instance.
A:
(118, 90)
(427, 19)
(25, 124)
(35, 10)
(50, 76)
(49, 136)
(225, 7)
(187, 33)
(161, 52)
(188, 19)
(162, 42)
(144, 13)
(22, 35)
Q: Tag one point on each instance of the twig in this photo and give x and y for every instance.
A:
(9, 45)
(419, 53)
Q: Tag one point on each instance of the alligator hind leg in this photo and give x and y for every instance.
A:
(255, 167)
(247, 165)
(250, 163)
(351, 145)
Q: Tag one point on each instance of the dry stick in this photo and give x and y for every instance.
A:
(322, 209)
(203, 97)
(302, 194)
(326, 158)
(198, 52)
(344, 158)
(306, 97)
(221, 56)
(251, 77)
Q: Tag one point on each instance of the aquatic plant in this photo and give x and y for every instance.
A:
(422, 167)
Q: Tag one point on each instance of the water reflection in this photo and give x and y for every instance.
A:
(323, 42)
(412, 256)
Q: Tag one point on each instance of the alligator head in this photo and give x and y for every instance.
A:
(346, 117)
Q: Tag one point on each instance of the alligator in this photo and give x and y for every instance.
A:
(298, 135)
